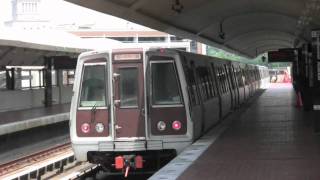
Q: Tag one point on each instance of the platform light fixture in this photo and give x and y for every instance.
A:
(222, 35)
(177, 6)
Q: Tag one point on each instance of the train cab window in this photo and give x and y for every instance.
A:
(165, 84)
(93, 88)
(129, 87)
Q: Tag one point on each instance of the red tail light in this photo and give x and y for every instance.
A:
(176, 125)
(138, 160)
(85, 128)
(119, 162)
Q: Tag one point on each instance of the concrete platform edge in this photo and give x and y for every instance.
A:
(179, 164)
(32, 123)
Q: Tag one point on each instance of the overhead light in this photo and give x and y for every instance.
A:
(222, 35)
(177, 6)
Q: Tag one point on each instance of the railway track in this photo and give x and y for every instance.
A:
(54, 163)
(37, 164)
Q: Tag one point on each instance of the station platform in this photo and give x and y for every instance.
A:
(269, 139)
(14, 121)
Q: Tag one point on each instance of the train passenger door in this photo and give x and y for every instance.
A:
(128, 85)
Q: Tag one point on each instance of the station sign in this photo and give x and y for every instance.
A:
(282, 55)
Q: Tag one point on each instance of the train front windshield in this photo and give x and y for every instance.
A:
(93, 88)
(165, 89)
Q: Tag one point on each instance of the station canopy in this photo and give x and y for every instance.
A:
(29, 48)
(245, 27)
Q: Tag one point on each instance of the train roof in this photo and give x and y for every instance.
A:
(216, 59)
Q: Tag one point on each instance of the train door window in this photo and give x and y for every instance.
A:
(244, 75)
(222, 84)
(218, 74)
(204, 83)
(192, 90)
(214, 80)
(199, 84)
(211, 83)
(235, 76)
(128, 87)
(225, 80)
(230, 77)
(165, 84)
(93, 87)
(240, 78)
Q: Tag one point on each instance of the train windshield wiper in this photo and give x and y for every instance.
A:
(93, 112)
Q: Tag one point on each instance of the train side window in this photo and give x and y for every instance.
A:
(93, 87)
(165, 84)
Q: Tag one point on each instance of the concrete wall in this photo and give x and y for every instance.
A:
(32, 98)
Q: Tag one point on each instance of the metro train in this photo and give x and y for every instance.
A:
(135, 109)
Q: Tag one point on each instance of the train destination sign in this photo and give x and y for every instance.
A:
(127, 56)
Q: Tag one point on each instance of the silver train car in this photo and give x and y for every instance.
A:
(137, 110)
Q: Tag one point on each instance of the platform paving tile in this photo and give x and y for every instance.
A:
(271, 140)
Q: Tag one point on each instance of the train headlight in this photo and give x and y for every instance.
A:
(99, 127)
(85, 128)
(176, 125)
(161, 126)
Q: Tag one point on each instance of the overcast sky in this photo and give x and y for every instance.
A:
(61, 12)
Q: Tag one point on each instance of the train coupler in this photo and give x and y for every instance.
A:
(126, 162)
